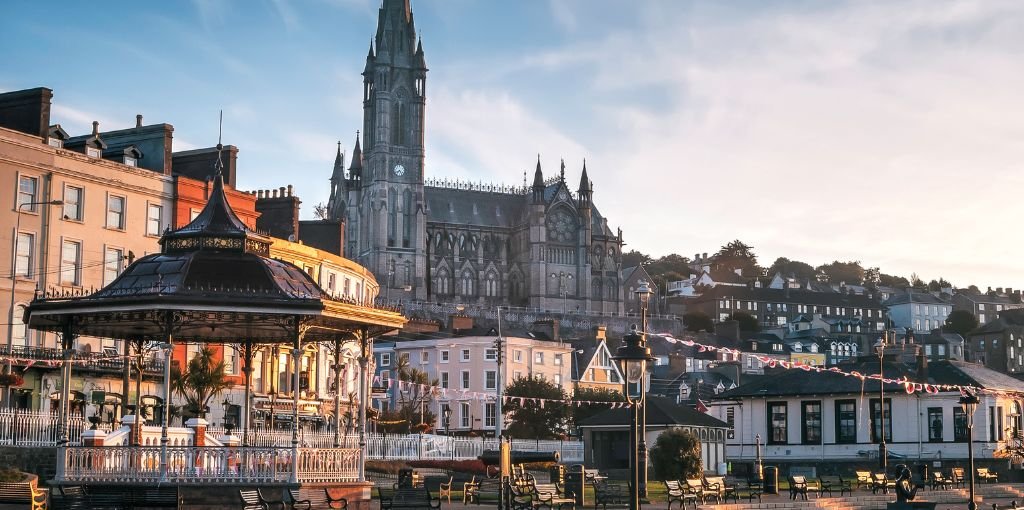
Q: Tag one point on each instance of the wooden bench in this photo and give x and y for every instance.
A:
(269, 502)
(410, 498)
(547, 495)
(799, 487)
(486, 488)
(881, 481)
(828, 483)
(957, 475)
(156, 497)
(696, 487)
(719, 486)
(940, 481)
(747, 489)
(309, 499)
(864, 479)
(986, 476)
(23, 492)
(251, 500)
(612, 492)
(675, 492)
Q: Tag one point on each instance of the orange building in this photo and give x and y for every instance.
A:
(191, 195)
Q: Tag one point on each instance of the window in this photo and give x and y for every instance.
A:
(130, 161)
(115, 212)
(465, 379)
(558, 360)
(465, 355)
(73, 203)
(112, 258)
(995, 423)
(538, 358)
(558, 379)
(93, 152)
(155, 218)
(935, 424)
(71, 263)
(385, 378)
(846, 421)
(491, 355)
(444, 380)
(517, 356)
(811, 413)
(191, 351)
(444, 356)
(877, 424)
(777, 423)
(959, 425)
(730, 418)
(28, 186)
(24, 264)
(385, 359)
(465, 415)
(490, 415)
(230, 360)
(490, 380)
(19, 331)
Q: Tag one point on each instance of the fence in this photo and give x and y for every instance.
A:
(21, 427)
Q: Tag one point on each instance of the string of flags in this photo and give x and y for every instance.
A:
(458, 394)
(909, 386)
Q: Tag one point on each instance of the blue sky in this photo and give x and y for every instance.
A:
(888, 132)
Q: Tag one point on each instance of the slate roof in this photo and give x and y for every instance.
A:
(790, 296)
(799, 382)
(984, 297)
(722, 275)
(471, 207)
(913, 297)
(661, 411)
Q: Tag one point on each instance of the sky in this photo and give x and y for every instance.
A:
(888, 132)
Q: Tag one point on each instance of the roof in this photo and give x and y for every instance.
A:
(723, 275)
(790, 296)
(661, 411)
(473, 207)
(984, 297)
(801, 382)
(913, 297)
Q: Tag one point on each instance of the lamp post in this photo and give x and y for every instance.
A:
(882, 453)
(562, 277)
(643, 295)
(14, 282)
(969, 402)
(633, 356)
(446, 414)
(757, 455)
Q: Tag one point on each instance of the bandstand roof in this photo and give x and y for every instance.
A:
(213, 281)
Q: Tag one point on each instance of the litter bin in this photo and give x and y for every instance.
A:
(575, 478)
(922, 473)
(556, 474)
(405, 478)
(771, 480)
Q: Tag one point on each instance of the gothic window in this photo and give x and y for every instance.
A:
(492, 284)
(443, 282)
(596, 288)
(612, 289)
(407, 273)
(515, 286)
(393, 219)
(407, 220)
(561, 226)
(466, 283)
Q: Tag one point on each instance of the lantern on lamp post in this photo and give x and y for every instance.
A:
(633, 357)
(969, 402)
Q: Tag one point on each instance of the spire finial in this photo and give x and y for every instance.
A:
(220, 146)
(562, 175)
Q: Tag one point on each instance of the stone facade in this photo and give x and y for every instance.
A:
(543, 245)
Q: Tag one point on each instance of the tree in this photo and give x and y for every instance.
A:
(738, 255)
(697, 321)
(960, 322)
(532, 419)
(634, 258)
(799, 270)
(872, 276)
(917, 283)
(320, 211)
(747, 322)
(203, 379)
(583, 410)
(676, 455)
(888, 280)
(415, 400)
(851, 272)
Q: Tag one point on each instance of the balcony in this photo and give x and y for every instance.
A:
(24, 356)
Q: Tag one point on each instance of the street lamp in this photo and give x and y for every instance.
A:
(14, 281)
(643, 296)
(562, 277)
(633, 356)
(882, 453)
(446, 414)
(969, 402)
(757, 454)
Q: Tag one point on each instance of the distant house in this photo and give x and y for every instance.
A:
(778, 307)
(922, 311)
(986, 306)
(607, 436)
(999, 343)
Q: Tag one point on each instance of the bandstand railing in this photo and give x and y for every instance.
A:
(190, 464)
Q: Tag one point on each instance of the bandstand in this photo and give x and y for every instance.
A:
(214, 282)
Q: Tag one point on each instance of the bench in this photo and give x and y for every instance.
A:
(957, 475)
(881, 481)
(748, 489)
(612, 492)
(70, 497)
(546, 495)
(23, 492)
(799, 486)
(156, 497)
(407, 499)
(675, 492)
(719, 486)
(864, 479)
(696, 487)
(987, 476)
(251, 500)
(835, 482)
(309, 499)
(487, 488)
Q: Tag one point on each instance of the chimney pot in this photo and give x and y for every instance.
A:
(138, 120)
(96, 131)
(281, 189)
(275, 193)
(289, 190)
(705, 256)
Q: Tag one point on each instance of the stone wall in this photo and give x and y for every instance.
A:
(41, 460)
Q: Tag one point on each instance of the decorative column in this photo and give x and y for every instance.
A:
(67, 343)
(134, 429)
(337, 391)
(365, 350)
(297, 364)
(168, 352)
(198, 426)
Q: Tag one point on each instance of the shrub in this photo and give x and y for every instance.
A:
(390, 467)
(676, 455)
(11, 475)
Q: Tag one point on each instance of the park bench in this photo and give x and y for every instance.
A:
(251, 500)
(696, 487)
(828, 483)
(864, 479)
(547, 495)
(987, 476)
(721, 488)
(799, 487)
(410, 498)
(486, 488)
(881, 481)
(610, 492)
(156, 497)
(444, 489)
(957, 475)
(310, 499)
(23, 492)
(748, 489)
(674, 492)
(69, 497)
(940, 481)
(269, 502)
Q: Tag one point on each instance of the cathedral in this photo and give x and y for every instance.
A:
(543, 245)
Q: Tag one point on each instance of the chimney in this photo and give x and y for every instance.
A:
(922, 366)
(909, 337)
(96, 131)
(705, 256)
(138, 121)
(549, 327)
(27, 111)
(289, 190)
(696, 257)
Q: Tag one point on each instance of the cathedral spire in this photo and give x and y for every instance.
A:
(586, 190)
(339, 165)
(355, 169)
(538, 184)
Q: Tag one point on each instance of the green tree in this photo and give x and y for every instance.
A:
(697, 321)
(799, 270)
(533, 419)
(960, 322)
(676, 455)
(851, 273)
(583, 410)
(634, 258)
(872, 277)
(203, 379)
(917, 283)
(888, 280)
(748, 323)
(415, 398)
(738, 255)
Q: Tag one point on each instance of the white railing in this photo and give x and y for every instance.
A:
(20, 427)
(141, 464)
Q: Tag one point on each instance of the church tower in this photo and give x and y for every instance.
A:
(391, 225)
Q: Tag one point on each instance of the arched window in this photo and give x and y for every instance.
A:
(393, 218)
(612, 288)
(466, 283)
(596, 288)
(398, 122)
(407, 220)
(443, 282)
(515, 286)
(492, 284)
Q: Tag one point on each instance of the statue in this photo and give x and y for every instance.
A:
(906, 490)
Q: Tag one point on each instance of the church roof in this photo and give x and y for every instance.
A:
(471, 207)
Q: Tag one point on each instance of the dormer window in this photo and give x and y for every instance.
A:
(56, 143)
(130, 161)
(93, 152)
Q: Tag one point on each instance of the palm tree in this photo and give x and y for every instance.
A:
(203, 380)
